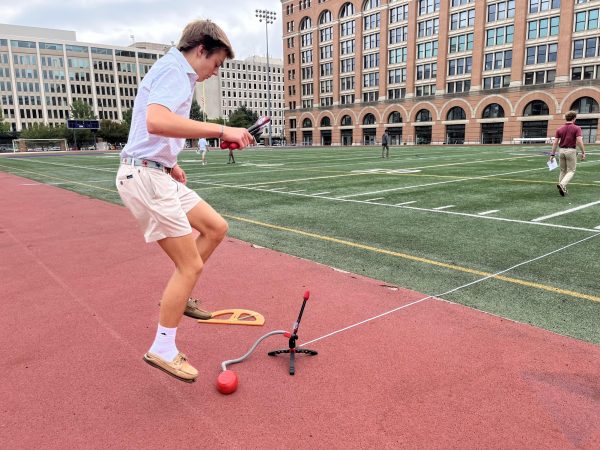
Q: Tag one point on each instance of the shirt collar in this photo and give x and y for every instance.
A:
(183, 63)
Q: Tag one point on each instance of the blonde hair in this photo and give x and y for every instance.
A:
(207, 34)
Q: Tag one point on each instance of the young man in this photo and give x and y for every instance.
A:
(202, 149)
(152, 184)
(385, 141)
(568, 138)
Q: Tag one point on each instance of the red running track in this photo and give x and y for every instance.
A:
(79, 308)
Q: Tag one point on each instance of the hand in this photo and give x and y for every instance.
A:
(240, 136)
(178, 174)
(583, 156)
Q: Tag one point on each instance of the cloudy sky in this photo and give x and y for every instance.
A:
(114, 21)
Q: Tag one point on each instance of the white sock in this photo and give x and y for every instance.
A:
(164, 343)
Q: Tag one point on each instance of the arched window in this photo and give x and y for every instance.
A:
(370, 4)
(325, 17)
(585, 105)
(347, 10)
(423, 116)
(369, 119)
(346, 120)
(395, 117)
(456, 113)
(305, 23)
(536, 108)
(307, 123)
(325, 122)
(493, 111)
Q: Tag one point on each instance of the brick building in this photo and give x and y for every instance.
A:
(439, 71)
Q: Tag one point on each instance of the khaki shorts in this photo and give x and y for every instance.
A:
(156, 200)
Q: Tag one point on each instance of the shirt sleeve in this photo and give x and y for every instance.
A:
(169, 89)
(578, 133)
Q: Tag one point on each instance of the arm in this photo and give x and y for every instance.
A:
(161, 121)
(581, 146)
(554, 146)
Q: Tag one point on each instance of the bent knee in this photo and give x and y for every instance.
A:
(219, 230)
(192, 268)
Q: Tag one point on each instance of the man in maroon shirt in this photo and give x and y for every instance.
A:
(568, 138)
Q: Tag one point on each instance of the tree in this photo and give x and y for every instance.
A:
(127, 114)
(113, 132)
(82, 110)
(4, 127)
(242, 117)
(41, 131)
(195, 112)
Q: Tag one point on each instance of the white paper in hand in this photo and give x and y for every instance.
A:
(552, 164)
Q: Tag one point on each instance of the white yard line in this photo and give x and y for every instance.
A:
(568, 211)
(501, 219)
(439, 208)
(485, 213)
(320, 193)
(440, 182)
(405, 203)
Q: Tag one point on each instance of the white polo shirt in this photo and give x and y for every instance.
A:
(170, 82)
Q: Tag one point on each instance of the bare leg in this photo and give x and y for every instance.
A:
(212, 228)
(188, 266)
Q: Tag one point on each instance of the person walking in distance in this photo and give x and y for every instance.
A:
(230, 159)
(153, 186)
(385, 141)
(567, 138)
(202, 149)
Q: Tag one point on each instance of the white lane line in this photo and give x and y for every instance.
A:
(485, 213)
(374, 199)
(458, 180)
(439, 296)
(414, 208)
(405, 203)
(444, 207)
(277, 189)
(296, 191)
(568, 211)
(597, 228)
(321, 193)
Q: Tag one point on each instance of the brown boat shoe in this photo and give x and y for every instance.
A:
(179, 368)
(192, 310)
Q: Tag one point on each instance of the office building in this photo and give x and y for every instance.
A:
(245, 82)
(439, 71)
(42, 71)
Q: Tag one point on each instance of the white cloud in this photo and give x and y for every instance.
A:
(114, 21)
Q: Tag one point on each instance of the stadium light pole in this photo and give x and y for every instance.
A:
(269, 17)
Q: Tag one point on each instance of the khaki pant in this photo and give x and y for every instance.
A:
(568, 162)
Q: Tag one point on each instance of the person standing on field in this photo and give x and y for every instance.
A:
(153, 186)
(202, 149)
(567, 138)
(385, 141)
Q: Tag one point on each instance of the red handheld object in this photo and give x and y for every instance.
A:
(255, 130)
(229, 145)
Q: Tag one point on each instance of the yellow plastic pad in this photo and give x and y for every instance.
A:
(236, 316)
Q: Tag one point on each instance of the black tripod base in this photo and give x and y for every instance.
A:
(292, 352)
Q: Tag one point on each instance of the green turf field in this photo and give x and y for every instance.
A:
(439, 220)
